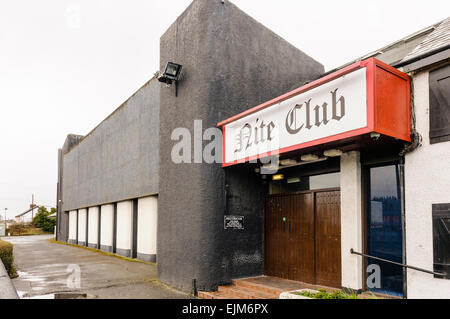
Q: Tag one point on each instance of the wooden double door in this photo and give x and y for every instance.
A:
(303, 237)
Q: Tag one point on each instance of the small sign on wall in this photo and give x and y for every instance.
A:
(234, 222)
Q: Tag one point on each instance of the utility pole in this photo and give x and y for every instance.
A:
(5, 220)
(32, 207)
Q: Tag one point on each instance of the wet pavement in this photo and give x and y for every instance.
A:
(50, 271)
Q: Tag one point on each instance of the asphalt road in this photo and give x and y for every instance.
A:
(47, 268)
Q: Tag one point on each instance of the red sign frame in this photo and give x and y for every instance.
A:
(388, 106)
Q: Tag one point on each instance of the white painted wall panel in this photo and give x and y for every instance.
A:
(427, 181)
(82, 214)
(73, 225)
(351, 220)
(124, 224)
(107, 224)
(93, 226)
(147, 225)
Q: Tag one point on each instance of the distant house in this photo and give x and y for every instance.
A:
(27, 216)
(52, 215)
(10, 222)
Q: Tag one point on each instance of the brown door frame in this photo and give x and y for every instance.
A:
(313, 192)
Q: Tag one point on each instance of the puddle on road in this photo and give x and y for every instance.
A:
(40, 283)
(29, 277)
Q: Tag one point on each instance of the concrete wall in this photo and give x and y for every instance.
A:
(118, 160)
(62, 217)
(427, 183)
(72, 227)
(93, 227)
(147, 228)
(351, 220)
(230, 63)
(107, 224)
(82, 220)
(124, 228)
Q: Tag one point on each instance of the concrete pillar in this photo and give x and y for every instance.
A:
(351, 212)
(73, 227)
(124, 228)
(106, 228)
(93, 227)
(147, 228)
(82, 220)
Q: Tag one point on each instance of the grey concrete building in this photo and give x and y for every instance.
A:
(339, 143)
(230, 63)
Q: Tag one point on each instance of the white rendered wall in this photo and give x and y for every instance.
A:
(427, 178)
(124, 224)
(93, 226)
(73, 225)
(107, 224)
(351, 220)
(147, 225)
(82, 225)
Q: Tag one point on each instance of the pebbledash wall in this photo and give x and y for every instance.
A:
(230, 63)
(120, 191)
(120, 178)
(108, 183)
(427, 182)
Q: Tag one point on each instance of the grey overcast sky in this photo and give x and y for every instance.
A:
(66, 65)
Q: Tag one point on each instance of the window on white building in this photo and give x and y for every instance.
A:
(441, 239)
(440, 105)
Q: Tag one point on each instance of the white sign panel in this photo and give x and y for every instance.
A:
(336, 107)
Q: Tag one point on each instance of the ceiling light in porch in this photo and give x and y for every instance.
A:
(288, 162)
(309, 158)
(333, 153)
(278, 177)
(294, 180)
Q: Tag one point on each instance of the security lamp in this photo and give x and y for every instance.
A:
(172, 73)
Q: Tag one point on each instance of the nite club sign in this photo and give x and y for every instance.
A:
(366, 97)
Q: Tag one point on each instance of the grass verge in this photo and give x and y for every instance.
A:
(323, 294)
(7, 257)
(102, 252)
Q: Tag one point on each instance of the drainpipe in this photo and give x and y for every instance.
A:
(403, 212)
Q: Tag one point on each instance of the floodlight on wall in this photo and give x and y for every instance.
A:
(171, 74)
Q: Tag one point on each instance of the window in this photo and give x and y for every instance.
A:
(384, 227)
(440, 105)
(441, 239)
